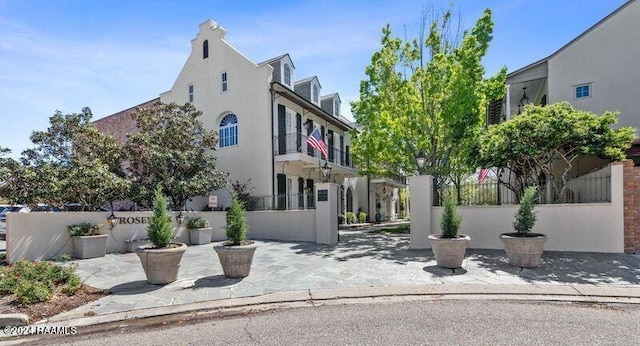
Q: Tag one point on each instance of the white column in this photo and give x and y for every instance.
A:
(326, 213)
(421, 191)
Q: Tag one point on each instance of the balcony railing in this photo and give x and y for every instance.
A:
(585, 189)
(299, 201)
(297, 143)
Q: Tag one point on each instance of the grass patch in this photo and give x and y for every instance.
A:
(402, 229)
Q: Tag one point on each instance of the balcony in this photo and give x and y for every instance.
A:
(296, 143)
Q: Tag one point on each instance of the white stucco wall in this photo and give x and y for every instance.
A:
(42, 236)
(606, 57)
(285, 225)
(248, 97)
(593, 227)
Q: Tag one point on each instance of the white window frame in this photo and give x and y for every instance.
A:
(191, 88)
(224, 79)
(228, 134)
(336, 107)
(575, 91)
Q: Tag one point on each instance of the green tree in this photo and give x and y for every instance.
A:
(159, 229)
(525, 216)
(72, 162)
(548, 140)
(236, 222)
(172, 149)
(450, 220)
(425, 95)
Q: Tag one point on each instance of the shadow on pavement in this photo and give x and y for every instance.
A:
(214, 281)
(134, 287)
(441, 272)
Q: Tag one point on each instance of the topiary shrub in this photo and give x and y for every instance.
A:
(236, 223)
(159, 229)
(525, 217)
(363, 217)
(450, 221)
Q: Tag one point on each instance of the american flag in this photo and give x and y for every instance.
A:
(482, 176)
(315, 140)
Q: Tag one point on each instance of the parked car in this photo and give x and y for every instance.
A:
(3, 217)
(44, 208)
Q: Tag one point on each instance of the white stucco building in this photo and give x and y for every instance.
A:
(263, 113)
(597, 72)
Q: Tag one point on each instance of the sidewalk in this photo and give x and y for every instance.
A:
(360, 263)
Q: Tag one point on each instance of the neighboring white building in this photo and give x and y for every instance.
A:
(263, 115)
(597, 72)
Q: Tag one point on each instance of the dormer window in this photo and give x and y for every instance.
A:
(315, 93)
(336, 108)
(287, 74)
(205, 49)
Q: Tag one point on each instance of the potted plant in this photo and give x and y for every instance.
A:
(199, 230)
(236, 254)
(351, 217)
(88, 240)
(523, 247)
(362, 216)
(160, 259)
(378, 216)
(449, 247)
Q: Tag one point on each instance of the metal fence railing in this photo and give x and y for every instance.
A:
(297, 143)
(585, 189)
(282, 202)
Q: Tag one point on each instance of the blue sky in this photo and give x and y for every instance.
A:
(111, 55)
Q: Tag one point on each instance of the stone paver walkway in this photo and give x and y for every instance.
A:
(361, 259)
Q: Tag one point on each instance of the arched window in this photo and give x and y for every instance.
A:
(315, 93)
(205, 49)
(228, 131)
(287, 74)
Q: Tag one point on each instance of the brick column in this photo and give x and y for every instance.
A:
(631, 191)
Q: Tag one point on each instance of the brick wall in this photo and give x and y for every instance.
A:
(120, 124)
(631, 191)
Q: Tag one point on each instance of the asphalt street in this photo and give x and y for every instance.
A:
(400, 321)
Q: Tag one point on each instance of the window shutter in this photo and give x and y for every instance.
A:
(282, 130)
(342, 150)
(281, 198)
(299, 132)
(310, 199)
(309, 130)
(301, 193)
(494, 112)
(330, 147)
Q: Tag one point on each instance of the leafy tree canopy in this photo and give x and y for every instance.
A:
(528, 144)
(425, 95)
(72, 162)
(171, 149)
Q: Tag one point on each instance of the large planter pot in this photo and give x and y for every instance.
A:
(161, 265)
(236, 260)
(449, 252)
(524, 252)
(90, 246)
(200, 236)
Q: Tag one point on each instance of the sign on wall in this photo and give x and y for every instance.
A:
(213, 201)
(323, 195)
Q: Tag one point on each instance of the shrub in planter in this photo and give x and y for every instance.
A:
(523, 247)
(88, 240)
(199, 230)
(160, 259)
(236, 254)
(351, 217)
(449, 247)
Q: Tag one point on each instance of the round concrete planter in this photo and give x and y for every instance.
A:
(161, 265)
(449, 252)
(200, 236)
(524, 252)
(236, 260)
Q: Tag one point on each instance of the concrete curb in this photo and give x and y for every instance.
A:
(310, 298)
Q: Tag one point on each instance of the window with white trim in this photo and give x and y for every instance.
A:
(224, 80)
(287, 74)
(191, 93)
(336, 107)
(582, 91)
(315, 93)
(228, 131)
